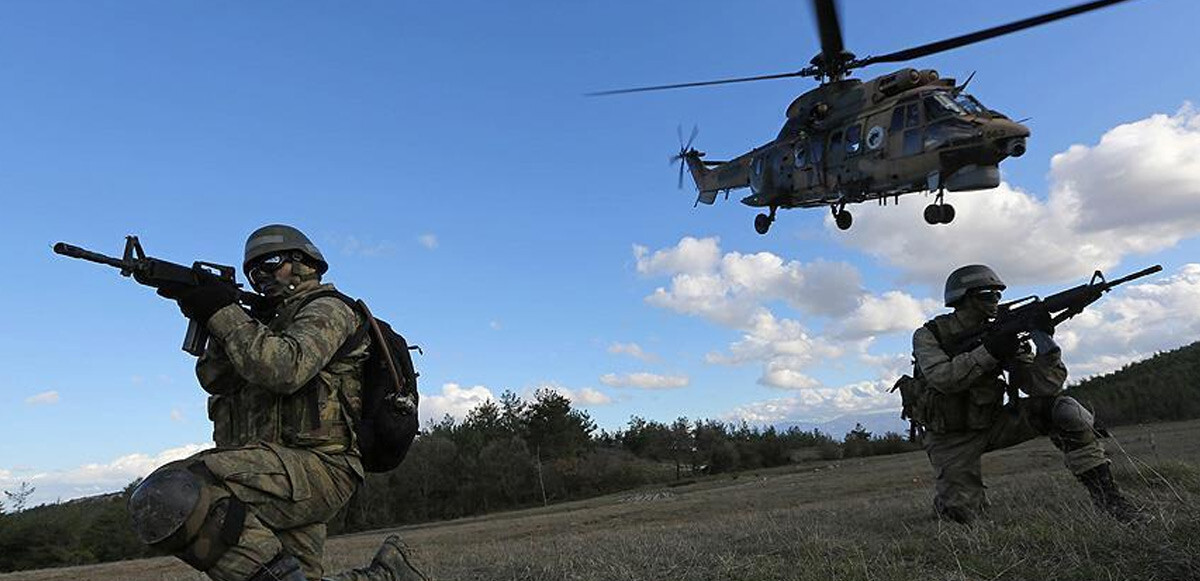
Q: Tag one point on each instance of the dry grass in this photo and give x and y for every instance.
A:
(865, 519)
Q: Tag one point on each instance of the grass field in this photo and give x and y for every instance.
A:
(861, 519)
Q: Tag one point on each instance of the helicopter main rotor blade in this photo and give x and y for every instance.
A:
(800, 73)
(829, 28)
(974, 37)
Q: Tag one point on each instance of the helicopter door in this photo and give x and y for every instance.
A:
(904, 132)
(807, 156)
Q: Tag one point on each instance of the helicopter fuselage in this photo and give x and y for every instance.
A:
(851, 141)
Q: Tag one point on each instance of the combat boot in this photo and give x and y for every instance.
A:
(283, 567)
(390, 564)
(1107, 496)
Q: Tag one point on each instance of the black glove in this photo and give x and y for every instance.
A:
(1002, 347)
(263, 308)
(200, 302)
(1042, 322)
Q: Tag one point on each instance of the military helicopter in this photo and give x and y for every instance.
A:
(849, 141)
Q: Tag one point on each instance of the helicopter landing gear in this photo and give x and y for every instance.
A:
(841, 216)
(939, 212)
(762, 222)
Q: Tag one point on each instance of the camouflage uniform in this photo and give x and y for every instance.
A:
(966, 416)
(281, 407)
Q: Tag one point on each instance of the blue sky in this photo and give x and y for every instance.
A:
(444, 159)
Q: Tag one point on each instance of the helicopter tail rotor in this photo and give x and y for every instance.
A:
(685, 151)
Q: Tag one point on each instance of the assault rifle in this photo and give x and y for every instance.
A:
(1021, 317)
(158, 273)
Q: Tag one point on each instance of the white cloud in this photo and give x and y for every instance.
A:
(454, 400)
(633, 350)
(1136, 191)
(91, 479)
(691, 255)
(890, 312)
(644, 380)
(428, 241)
(821, 404)
(44, 398)
(734, 290)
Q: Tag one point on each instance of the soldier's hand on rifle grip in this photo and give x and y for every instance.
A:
(200, 302)
(1002, 347)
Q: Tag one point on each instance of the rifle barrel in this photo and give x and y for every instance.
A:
(76, 252)
(1139, 274)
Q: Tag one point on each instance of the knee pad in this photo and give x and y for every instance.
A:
(1070, 416)
(177, 511)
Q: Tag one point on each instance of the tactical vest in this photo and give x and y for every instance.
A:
(317, 416)
(974, 408)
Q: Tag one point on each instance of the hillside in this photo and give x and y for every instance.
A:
(1165, 387)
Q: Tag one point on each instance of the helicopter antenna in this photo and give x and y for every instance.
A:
(834, 61)
(963, 86)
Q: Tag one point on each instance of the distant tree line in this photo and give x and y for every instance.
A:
(1165, 387)
(514, 453)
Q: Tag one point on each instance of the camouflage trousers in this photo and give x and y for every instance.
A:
(956, 456)
(289, 493)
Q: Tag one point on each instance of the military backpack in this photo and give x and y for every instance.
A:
(387, 421)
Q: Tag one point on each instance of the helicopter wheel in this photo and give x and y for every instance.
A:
(762, 223)
(933, 214)
(947, 214)
(843, 219)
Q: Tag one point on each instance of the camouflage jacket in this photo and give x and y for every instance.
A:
(278, 383)
(968, 388)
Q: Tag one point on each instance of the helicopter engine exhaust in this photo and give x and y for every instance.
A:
(1016, 147)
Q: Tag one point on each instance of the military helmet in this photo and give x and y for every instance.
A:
(276, 238)
(968, 278)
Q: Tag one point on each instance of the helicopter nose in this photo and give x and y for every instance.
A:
(1007, 137)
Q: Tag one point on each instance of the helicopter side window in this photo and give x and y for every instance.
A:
(835, 141)
(897, 119)
(912, 115)
(853, 139)
(912, 142)
(817, 150)
(801, 154)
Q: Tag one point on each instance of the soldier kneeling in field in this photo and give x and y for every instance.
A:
(285, 384)
(958, 398)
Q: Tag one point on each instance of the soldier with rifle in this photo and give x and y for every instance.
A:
(285, 378)
(956, 395)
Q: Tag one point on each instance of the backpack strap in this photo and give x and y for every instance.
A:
(353, 341)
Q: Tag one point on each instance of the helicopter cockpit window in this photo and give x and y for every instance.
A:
(940, 105)
(835, 141)
(971, 104)
(817, 150)
(853, 139)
